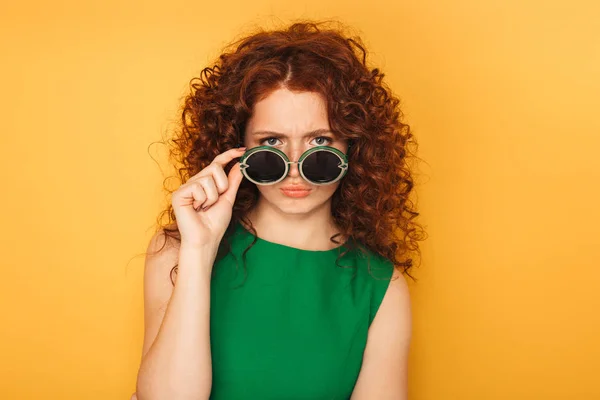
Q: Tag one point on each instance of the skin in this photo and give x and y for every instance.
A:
(306, 223)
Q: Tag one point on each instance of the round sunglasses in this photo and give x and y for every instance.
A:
(320, 165)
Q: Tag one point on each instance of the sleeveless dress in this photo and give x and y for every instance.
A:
(295, 326)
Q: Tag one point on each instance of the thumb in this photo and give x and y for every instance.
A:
(235, 179)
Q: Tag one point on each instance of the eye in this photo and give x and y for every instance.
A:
(327, 140)
(270, 139)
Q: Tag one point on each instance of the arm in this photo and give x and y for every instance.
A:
(176, 359)
(384, 370)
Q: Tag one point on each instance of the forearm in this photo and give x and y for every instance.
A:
(178, 365)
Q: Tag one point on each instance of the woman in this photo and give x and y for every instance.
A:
(314, 204)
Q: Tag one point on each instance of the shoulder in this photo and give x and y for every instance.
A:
(385, 359)
(384, 369)
(378, 267)
(395, 291)
(161, 250)
(396, 300)
(162, 255)
(393, 314)
(383, 279)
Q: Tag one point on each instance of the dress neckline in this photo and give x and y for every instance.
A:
(240, 227)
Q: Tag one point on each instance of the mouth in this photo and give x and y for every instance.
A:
(295, 193)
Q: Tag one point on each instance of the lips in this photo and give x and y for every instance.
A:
(295, 192)
(295, 188)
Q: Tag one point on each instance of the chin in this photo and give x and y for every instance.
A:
(289, 205)
(296, 208)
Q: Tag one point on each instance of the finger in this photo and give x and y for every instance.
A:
(210, 188)
(221, 179)
(235, 179)
(219, 161)
(224, 158)
(218, 175)
(189, 194)
(196, 192)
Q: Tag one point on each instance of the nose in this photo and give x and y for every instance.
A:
(294, 173)
(294, 156)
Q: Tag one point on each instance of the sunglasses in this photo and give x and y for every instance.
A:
(320, 165)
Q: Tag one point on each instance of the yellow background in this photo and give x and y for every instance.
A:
(503, 98)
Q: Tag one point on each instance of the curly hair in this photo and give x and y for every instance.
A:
(371, 206)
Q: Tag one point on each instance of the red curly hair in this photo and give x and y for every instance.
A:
(371, 206)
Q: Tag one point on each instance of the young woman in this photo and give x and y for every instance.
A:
(295, 168)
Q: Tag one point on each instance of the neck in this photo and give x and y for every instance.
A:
(309, 231)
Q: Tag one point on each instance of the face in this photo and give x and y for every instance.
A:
(285, 120)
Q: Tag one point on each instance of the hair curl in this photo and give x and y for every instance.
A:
(371, 205)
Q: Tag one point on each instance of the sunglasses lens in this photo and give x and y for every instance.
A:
(321, 167)
(265, 166)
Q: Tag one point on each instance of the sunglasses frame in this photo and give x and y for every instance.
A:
(343, 164)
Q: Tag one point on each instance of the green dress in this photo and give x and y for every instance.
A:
(295, 326)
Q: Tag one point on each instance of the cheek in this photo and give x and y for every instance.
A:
(268, 190)
(329, 190)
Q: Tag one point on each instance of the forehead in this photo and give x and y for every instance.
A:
(291, 113)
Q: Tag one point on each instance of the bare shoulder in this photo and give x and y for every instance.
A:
(398, 286)
(162, 255)
(384, 369)
(395, 310)
(392, 325)
(161, 244)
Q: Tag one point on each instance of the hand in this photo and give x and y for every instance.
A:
(203, 205)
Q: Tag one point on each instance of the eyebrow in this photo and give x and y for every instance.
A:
(282, 135)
